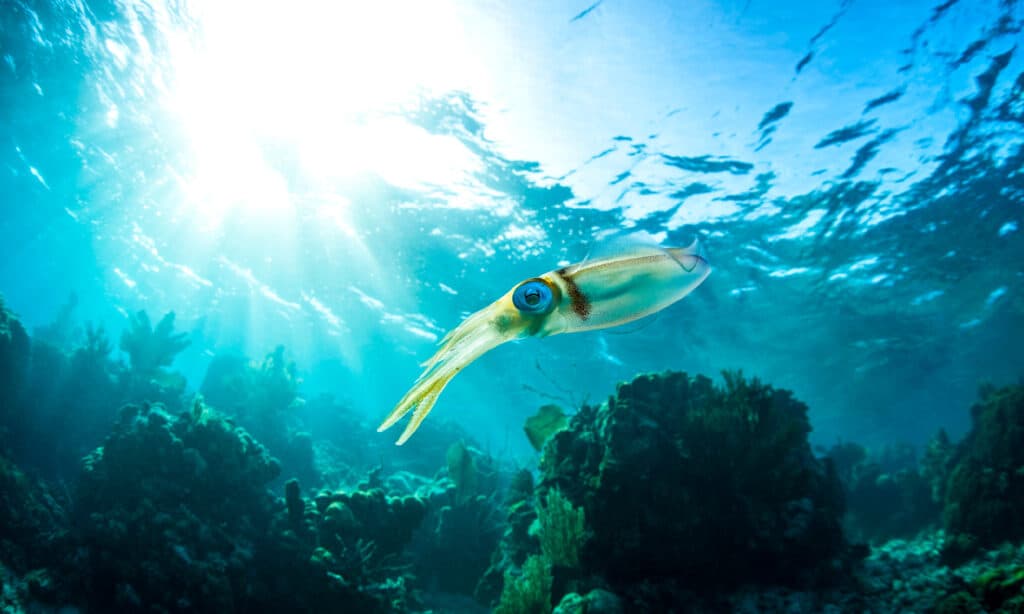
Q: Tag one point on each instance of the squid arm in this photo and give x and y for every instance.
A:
(590, 295)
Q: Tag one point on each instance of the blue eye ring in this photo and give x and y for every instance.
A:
(534, 296)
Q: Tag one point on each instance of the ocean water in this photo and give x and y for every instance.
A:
(351, 180)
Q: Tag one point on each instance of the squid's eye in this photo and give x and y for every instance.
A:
(533, 296)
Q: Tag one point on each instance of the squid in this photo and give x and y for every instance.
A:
(590, 295)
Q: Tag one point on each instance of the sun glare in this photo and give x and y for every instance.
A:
(324, 78)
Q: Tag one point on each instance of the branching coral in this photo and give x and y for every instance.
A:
(562, 529)
(97, 345)
(529, 592)
(150, 348)
(277, 379)
(150, 351)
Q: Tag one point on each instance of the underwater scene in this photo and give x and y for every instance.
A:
(592, 307)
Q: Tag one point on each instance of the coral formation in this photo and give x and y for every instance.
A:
(675, 491)
(80, 390)
(597, 601)
(913, 575)
(464, 525)
(937, 463)
(235, 385)
(263, 397)
(166, 511)
(173, 512)
(562, 529)
(529, 592)
(539, 427)
(887, 495)
(713, 486)
(14, 358)
(33, 524)
(984, 493)
(151, 349)
(517, 541)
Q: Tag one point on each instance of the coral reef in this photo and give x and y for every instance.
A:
(370, 515)
(343, 551)
(529, 592)
(235, 385)
(173, 513)
(539, 427)
(937, 463)
(14, 359)
(913, 575)
(887, 496)
(33, 523)
(713, 486)
(151, 349)
(675, 494)
(166, 511)
(79, 390)
(464, 524)
(562, 530)
(517, 541)
(984, 493)
(263, 397)
(597, 601)
(347, 445)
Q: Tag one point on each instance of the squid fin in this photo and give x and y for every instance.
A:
(686, 256)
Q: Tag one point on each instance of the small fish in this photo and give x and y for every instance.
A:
(589, 295)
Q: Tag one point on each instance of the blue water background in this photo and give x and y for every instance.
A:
(351, 182)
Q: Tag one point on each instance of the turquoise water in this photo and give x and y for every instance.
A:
(351, 181)
(231, 232)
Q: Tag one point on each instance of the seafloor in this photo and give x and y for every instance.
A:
(120, 493)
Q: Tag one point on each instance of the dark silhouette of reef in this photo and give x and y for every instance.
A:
(59, 378)
(676, 494)
(688, 487)
(714, 484)
(983, 492)
(889, 495)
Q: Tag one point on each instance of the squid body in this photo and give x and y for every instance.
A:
(590, 295)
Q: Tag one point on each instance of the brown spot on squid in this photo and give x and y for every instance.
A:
(579, 301)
